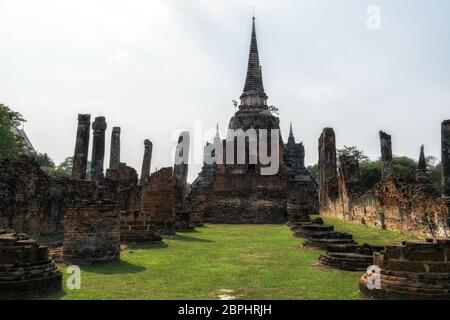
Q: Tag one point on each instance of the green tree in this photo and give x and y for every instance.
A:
(371, 170)
(435, 175)
(66, 165)
(354, 152)
(43, 159)
(370, 173)
(273, 110)
(314, 170)
(10, 144)
(405, 165)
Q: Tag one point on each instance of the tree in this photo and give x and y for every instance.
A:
(10, 144)
(405, 165)
(66, 165)
(314, 170)
(435, 174)
(273, 110)
(354, 152)
(370, 174)
(43, 159)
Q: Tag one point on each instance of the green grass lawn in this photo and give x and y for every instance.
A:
(242, 261)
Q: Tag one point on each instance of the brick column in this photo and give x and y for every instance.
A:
(81, 147)
(98, 148)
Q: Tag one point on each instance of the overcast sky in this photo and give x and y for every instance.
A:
(156, 66)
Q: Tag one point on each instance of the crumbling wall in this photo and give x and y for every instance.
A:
(32, 202)
(400, 203)
(157, 201)
(394, 204)
(92, 232)
(124, 180)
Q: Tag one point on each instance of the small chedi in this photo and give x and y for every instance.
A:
(414, 270)
(26, 271)
(92, 232)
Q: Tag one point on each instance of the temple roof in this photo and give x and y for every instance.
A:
(254, 81)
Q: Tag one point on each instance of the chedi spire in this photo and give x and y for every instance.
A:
(254, 94)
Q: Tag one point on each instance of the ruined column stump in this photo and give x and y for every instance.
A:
(26, 271)
(157, 202)
(92, 232)
(415, 270)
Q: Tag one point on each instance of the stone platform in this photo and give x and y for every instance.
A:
(138, 232)
(26, 271)
(322, 240)
(348, 257)
(414, 270)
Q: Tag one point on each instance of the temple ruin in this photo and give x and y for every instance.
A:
(399, 202)
(93, 213)
(238, 191)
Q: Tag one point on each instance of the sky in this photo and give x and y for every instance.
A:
(156, 67)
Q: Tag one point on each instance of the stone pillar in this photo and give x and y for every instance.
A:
(81, 147)
(446, 158)
(387, 164)
(328, 181)
(180, 174)
(114, 159)
(146, 162)
(98, 148)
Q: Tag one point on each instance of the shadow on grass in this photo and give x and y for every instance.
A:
(155, 246)
(121, 267)
(179, 237)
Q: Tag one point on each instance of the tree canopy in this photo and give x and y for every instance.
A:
(10, 144)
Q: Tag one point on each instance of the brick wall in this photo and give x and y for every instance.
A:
(92, 232)
(157, 202)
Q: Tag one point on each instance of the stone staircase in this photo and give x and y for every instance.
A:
(342, 252)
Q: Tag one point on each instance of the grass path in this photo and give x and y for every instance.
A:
(240, 261)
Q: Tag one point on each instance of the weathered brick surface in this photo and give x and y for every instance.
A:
(395, 204)
(34, 203)
(124, 180)
(350, 257)
(158, 201)
(31, 202)
(414, 270)
(92, 232)
(26, 271)
(399, 203)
